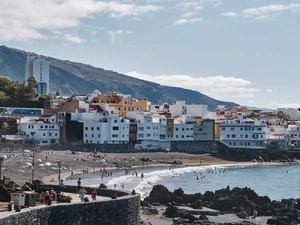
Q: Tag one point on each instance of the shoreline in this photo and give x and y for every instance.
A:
(66, 175)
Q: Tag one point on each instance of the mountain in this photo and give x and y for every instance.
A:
(76, 78)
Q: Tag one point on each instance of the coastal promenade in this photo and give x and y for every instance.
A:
(105, 210)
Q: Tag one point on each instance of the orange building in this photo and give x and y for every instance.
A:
(122, 103)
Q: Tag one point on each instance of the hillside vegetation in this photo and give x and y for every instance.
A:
(77, 78)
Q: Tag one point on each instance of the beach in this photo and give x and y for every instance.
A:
(19, 167)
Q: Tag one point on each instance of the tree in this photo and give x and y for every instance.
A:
(19, 91)
(45, 98)
(5, 127)
(280, 115)
(52, 141)
(32, 133)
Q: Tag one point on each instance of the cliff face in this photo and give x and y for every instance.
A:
(77, 78)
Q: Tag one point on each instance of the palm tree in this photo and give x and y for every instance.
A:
(280, 115)
(32, 133)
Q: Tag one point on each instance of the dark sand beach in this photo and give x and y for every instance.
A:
(19, 167)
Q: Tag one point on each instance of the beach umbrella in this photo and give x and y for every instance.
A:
(48, 164)
(41, 165)
(28, 164)
(102, 161)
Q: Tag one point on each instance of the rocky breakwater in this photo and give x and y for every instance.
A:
(239, 201)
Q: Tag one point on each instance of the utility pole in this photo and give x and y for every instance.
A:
(32, 167)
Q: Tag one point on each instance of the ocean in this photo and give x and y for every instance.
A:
(276, 181)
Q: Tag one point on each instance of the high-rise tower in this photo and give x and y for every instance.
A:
(39, 69)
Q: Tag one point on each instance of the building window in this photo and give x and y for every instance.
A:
(114, 135)
(92, 128)
(98, 128)
(115, 128)
(233, 135)
(231, 128)
(241, 136)
(98, 135)
(115, 121)
(223, 128)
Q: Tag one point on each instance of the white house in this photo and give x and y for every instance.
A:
(102, 125)
(180, 108)
(42, 130)
(151, 130)
(293, 131)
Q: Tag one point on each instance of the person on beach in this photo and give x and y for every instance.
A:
(62, 187)
(254, 214)
(94, 194)
(81, 193)
(78, 185)
(47, 198)
(53, 196)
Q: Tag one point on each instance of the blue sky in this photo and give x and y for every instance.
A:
(244, 51)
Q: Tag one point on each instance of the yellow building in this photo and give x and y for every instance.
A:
(122, 103)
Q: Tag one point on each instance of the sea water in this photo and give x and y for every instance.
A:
(276, 181)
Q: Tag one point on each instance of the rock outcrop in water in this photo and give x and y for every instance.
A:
(239, 201)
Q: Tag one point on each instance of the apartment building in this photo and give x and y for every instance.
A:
(247, 133)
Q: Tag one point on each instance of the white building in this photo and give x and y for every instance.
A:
(42, 130)
(294, 114)
(151, 130)
(247, 133)
(180, 108)
(102, 128)
(293, 131)
(39, 69)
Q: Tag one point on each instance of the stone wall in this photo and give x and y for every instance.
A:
(124, 210)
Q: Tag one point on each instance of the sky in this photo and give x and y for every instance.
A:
(242, 51)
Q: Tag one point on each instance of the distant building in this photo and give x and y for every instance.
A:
(122, 103)
(39, 69)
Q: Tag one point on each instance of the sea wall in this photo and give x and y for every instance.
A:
(124, 210)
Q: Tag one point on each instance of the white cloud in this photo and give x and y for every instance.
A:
(265, 12)
(73, 39)
(193, 5)
(277, 104)
(189, 14)
(113, 34)
(230, 14)
(33, 19)
(184, 21)
(219, 87)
